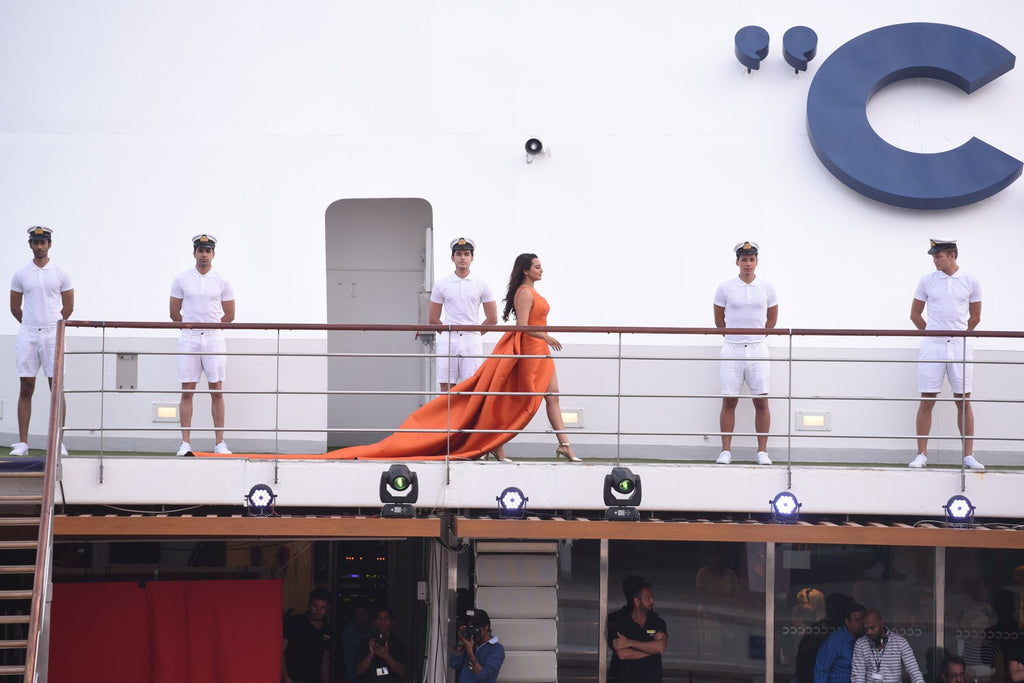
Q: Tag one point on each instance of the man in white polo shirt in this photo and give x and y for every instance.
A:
(200, 295)
(41, 294)
(745, 302)
(460, 296)
(953, 299)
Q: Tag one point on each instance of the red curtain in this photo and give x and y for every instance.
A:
(166, 632)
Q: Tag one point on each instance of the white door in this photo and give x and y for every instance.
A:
(377, 267)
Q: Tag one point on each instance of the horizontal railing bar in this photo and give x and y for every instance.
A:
(419, 356)
(810, 434)
(778, 332)
(411, 393)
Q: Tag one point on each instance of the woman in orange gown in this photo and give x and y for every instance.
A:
(524, 301)
(522, 383)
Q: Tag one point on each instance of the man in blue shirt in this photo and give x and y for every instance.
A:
(836, 654)
(477, 655)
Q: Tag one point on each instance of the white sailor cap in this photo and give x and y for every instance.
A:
(204, 239)
(39, 232)
(937, 245)
(745, 248)
(462, 244)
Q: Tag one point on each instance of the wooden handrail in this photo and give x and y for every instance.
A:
(42, 586)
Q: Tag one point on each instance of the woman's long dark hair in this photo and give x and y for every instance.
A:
(515, 281)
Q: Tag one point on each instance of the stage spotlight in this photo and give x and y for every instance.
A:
(260, 501)
(785, 508)
(512, 503)
(399, 489)
(959, 512)
(622, 493)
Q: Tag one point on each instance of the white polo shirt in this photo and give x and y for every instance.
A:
(948, 298)
(746, 305)
(201, 295)
(461, 298)
(41, 289)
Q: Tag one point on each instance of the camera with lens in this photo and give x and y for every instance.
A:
(469, 632)
(380, 638)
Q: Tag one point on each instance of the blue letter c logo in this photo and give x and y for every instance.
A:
(844, 141)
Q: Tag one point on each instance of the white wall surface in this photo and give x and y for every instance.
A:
(128, 126)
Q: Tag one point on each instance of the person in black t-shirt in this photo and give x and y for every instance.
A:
(382, 658)
(636, 635)
(307, 643)
(1013, 653)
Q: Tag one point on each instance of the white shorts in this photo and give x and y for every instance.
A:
(452, 348)
(35, 349)
(209, 345)
(950, 350)
(742, 362)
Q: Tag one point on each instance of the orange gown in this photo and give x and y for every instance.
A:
(502, 371)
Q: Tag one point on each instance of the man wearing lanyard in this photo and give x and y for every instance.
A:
(881, 656)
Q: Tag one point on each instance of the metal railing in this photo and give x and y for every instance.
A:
(627, 359)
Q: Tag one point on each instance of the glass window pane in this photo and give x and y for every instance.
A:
(816, 583)
(711, 596)
(983, 615)
(579, 566)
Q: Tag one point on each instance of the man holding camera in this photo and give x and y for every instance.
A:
(381, 659)
(477, 655)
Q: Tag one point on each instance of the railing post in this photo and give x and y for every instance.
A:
(618, 407)
(277, 408)
(789, 413)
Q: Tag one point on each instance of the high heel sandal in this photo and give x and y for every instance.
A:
(499, 457)
(564, 449)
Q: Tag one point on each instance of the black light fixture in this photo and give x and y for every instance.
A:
(399, 489)
(622, 493)
(533, 148)
(785, 508)
(959, 512)
(512, 503)
(259, 502)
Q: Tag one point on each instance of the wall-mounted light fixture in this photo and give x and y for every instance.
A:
(534, 149)
(165, 412)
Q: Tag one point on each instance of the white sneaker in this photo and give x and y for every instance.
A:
(221, 448)
(184, 448)
(763, 459)
(972, 464)
(63, 451)
(724, 458)
(20, 448)
(920, 461)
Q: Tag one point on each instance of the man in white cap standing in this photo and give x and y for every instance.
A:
(745, 302)
(201, 295)
(460, 296)
(41, 295)
(953, 299)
